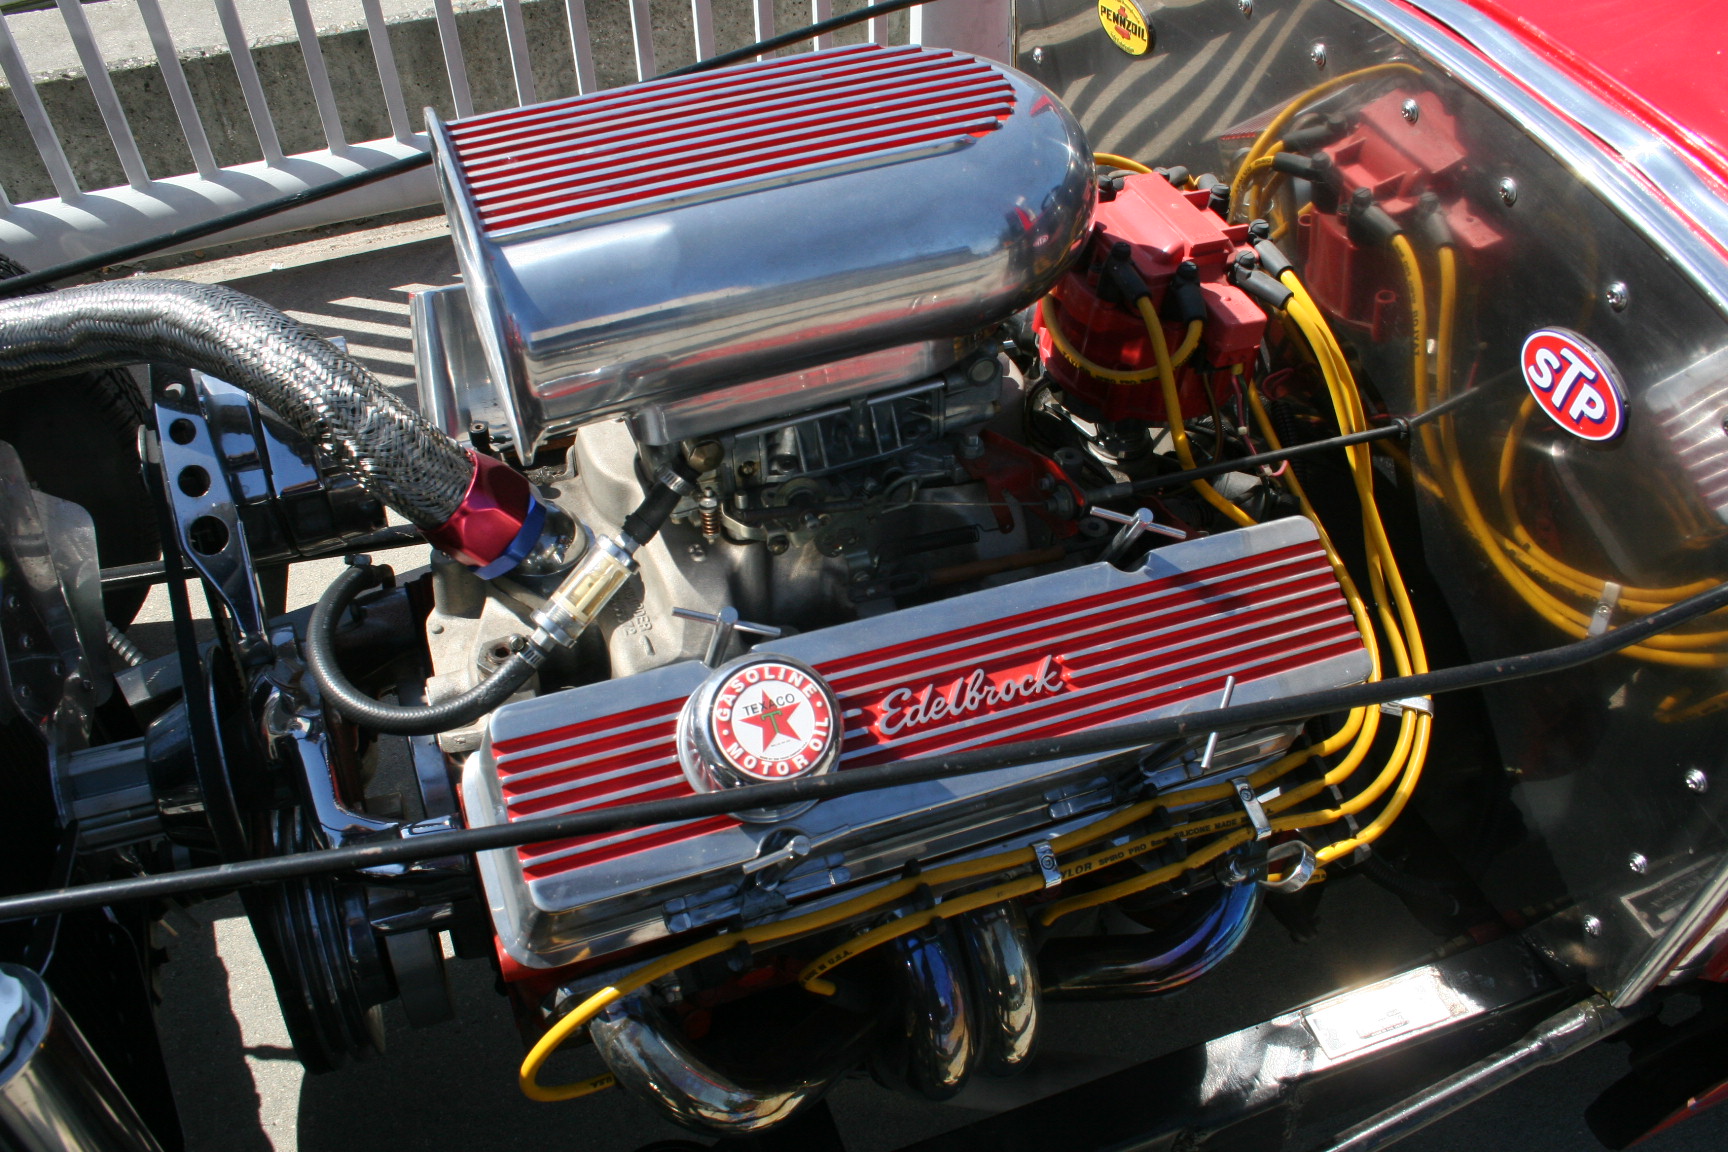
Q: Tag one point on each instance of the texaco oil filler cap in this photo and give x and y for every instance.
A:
(759, 720)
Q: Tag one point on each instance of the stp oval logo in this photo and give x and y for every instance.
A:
(1575, 383)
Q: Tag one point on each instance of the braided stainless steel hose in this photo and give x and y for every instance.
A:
(327, 396)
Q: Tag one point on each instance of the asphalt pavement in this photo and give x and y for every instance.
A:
(452, 1087)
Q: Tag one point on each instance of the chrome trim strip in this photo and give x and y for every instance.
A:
(1693, 925)
(1637, 152)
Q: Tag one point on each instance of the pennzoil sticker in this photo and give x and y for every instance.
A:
(1575, 383)
(1127, 26)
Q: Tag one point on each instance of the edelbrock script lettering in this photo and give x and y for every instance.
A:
(906, 708)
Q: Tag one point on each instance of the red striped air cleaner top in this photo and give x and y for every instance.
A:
(693, 137)
(1153, 645)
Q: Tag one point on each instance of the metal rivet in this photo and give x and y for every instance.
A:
(1592, 926)
(1246, 7)
(174, 392)
(1508, 191)
(1637, 863)
(1317, 53)
(1696, 780)
(1411, 111)
(1617, 295)
(1037, 55)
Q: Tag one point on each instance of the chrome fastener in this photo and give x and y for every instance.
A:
(725, 623)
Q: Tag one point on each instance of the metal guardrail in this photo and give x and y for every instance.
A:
(78, 222)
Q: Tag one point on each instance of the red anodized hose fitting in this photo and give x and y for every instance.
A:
(496, 525)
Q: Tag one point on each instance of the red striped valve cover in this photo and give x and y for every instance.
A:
(1053, 655)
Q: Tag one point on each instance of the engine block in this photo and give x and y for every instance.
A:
(1057, 654)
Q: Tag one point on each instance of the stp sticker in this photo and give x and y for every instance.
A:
(772, 720)
(1575, 383)
(1126, 25)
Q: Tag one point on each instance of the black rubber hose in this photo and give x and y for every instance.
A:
(430, 719)
(396, 719)
(650, 516)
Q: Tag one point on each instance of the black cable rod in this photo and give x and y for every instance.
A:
(20, 284)
(820, 28)
(1400, 426)
(871, 778)
(1241, 463)
(143, 575)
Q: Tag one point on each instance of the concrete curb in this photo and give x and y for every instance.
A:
(353, 74)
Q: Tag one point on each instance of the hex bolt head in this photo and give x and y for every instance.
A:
(1592, 926)
(1638, 863)
(1317, 53)
(1696, 781)
(1508, 189)
(1411, 111)
(1617, 296)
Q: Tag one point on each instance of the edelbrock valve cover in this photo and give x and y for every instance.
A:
(1086, 648)
(712, 250)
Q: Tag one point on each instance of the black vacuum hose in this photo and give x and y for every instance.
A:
(396, 719)
(429, 719)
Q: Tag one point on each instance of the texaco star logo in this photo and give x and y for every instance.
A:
(773, 721)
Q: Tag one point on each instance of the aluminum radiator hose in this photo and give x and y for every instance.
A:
(333, 401)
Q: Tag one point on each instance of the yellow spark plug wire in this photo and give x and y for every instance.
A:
(1270, 139)
(1518, 561)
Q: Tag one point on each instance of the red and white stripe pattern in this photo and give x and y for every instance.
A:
(1153, 646)
(721, 130)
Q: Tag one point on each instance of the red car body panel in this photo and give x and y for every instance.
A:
(1660, 64)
